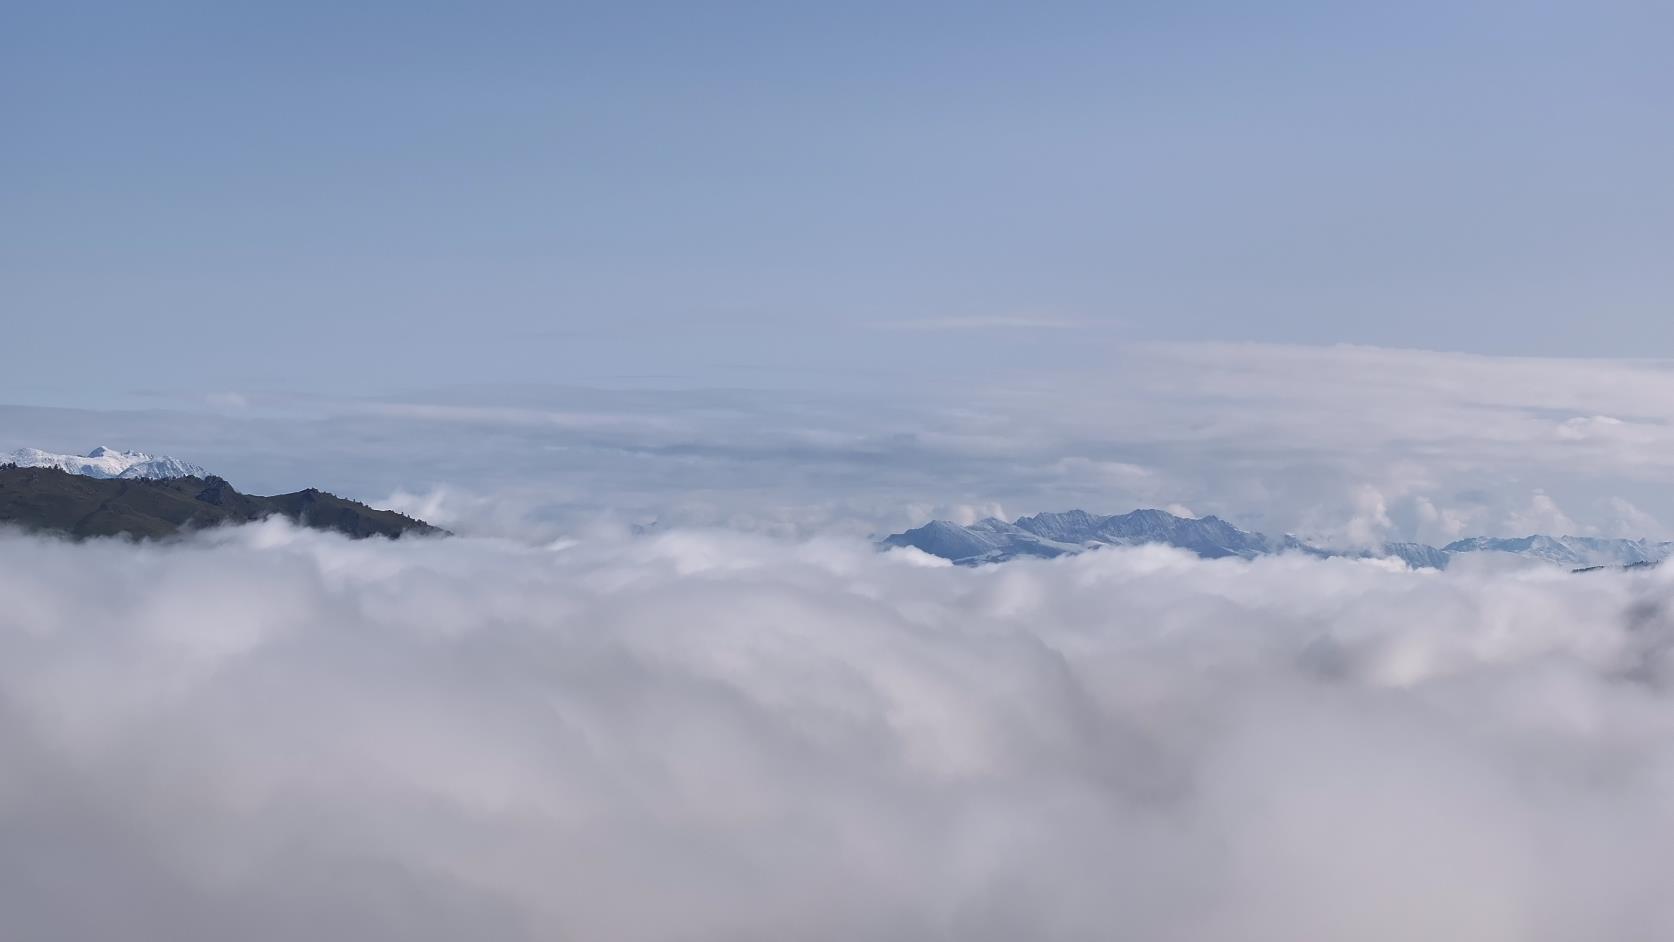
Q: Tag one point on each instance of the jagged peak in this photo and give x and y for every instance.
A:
(106, 462)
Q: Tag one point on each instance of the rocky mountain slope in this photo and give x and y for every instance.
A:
(56, 501)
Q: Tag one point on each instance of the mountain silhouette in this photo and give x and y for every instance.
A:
(51, 500)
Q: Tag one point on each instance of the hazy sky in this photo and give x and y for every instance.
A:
(355, 198)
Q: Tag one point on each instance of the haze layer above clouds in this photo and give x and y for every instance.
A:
(274, 734)
(1343, 444)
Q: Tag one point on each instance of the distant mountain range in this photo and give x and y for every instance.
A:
(177, 495)
(105, 462)
(52, 500)
(1048, 535)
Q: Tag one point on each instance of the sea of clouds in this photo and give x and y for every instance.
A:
(271, 734)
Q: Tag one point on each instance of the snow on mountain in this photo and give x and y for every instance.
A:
(1056, 534)
(1047, 535)
(1573, 551)
(1416, 555)
(105, 462)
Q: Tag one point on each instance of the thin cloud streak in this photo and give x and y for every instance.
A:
(990, 322)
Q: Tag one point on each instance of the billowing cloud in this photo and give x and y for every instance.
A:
(272, 734)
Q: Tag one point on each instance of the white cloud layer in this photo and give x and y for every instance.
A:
(268, 734)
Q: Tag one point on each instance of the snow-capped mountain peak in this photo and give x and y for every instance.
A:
(1058, 534)
(104, 462)
(1046, 535)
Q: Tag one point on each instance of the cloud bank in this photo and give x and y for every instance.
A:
(273, 734)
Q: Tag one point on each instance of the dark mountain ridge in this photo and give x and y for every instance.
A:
(53, 501)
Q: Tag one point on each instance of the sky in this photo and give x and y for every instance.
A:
(362, 199)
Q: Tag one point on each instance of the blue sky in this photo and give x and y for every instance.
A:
(317, 198)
